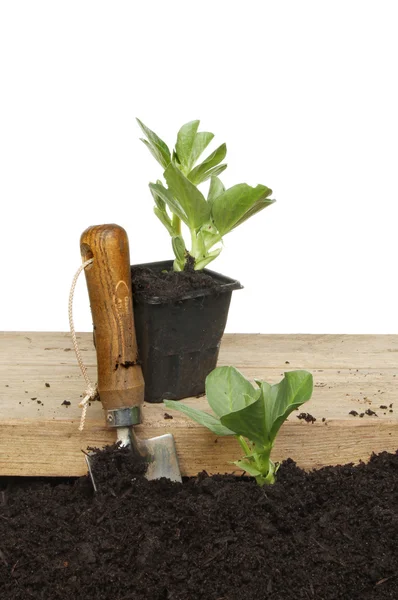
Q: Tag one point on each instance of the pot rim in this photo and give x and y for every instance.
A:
(226, 284)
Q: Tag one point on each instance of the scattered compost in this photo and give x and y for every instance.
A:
(327, 535)
(306, 417)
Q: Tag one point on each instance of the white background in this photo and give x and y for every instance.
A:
(303, 93)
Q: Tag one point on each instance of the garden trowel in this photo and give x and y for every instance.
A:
(120, 380)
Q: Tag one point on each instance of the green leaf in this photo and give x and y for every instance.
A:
(228, 390)
(177, 266)
(157, 146)
(248, 421)
(261, 420)
(200, 417)
(295, 389)
(248, 467)
(179, 249)
(262, 478)
(185, 142)
(202, 140)
(203, 262)
(213, 172)
(257, 207)
(175, 158)
(191, 200)
(156, 153)
(160, 203)
(200, 173)
(167, 197)
(216, 189)
(164, 218)
(160, 208)
(230, 207)
(209, 236)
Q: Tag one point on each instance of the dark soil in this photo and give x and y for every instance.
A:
(306, 417)
(169, 286)
(370, 413)
(114, 467)
(327, 535)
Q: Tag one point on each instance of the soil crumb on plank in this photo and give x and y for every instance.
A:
(329, 534)
(370, 413)
(306, 417)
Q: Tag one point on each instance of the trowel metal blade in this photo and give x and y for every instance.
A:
(159, 452)
(162, 458)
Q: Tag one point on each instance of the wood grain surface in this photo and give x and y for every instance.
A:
(108, 278)
(39, 433)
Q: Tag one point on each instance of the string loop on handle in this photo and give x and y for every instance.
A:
(91, 389)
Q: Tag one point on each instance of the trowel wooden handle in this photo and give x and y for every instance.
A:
(120, 380)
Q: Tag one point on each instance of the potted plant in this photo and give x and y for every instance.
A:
(181, 308)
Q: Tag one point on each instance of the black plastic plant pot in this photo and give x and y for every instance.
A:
(178, 342)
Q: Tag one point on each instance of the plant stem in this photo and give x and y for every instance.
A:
(269, 478)
(194, 247)
(177, 224)
(262, 461)
(244, 445)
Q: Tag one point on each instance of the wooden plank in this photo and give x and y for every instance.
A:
(39, 435)
(242, 350)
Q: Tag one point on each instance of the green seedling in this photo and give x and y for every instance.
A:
(253, 415)
(180, 200)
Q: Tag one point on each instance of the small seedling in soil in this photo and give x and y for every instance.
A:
(253, 415)
(210, 218)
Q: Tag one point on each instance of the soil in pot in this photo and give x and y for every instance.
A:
(179, 320)
(330, 534)
(169, 285)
